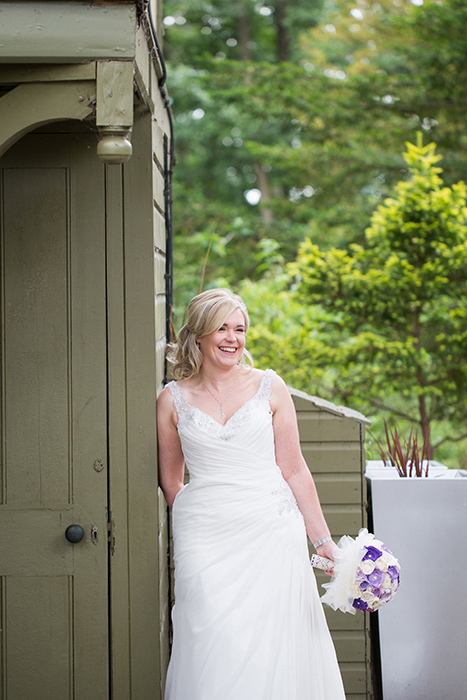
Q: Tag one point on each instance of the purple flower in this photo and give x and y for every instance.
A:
(360, 604)
(364, 585)
(376, 577)
(393, 573)
(372, 553)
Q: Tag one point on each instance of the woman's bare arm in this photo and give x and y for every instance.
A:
(294, 468)
(170, 456)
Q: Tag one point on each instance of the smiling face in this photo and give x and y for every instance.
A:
(224, 347)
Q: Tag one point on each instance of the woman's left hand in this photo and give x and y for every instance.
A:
(330, 550)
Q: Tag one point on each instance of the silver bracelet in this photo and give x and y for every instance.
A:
(318, 543)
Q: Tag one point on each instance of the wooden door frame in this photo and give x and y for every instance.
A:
(132, 384)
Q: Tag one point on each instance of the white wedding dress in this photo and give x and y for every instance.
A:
(248, 623)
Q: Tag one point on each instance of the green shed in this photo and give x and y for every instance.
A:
(332, 439)
(85, 169)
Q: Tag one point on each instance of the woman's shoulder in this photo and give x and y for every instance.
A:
(251, 377)
(177, 385)
(183, 392)
(266, 377)
(165, 398)
(259, 374)
(172, 393)
(269, 375)
(279, 389)
(269, 384)
(167, 414)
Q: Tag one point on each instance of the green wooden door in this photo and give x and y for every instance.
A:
(54, 595)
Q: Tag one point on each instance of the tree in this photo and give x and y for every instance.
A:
(399, 302)
(225, 195)
(407, 61)
(318, 136)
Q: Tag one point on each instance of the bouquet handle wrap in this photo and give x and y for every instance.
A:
(365, 574)
(322, 563)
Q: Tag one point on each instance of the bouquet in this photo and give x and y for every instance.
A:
(365, 575)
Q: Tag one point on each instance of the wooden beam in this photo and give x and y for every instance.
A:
(66, 32)
(13, 74)
(28, 106)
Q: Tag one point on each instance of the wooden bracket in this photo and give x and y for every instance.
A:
(114, 110)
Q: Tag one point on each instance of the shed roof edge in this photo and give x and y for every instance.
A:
(331, 407)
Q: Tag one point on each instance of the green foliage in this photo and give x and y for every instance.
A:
(221, 134)
(318, 134)
(401, 299)
(284, 332)
(236, 29)
(407, 63)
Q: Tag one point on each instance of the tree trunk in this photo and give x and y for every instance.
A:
(262, 178)
(283, 49)
(422, 404)
(263, 185)
(244, 37)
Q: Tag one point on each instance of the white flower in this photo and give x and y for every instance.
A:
(367, 566)
(368, 596)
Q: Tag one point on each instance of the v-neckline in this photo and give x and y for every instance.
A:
(223, 425)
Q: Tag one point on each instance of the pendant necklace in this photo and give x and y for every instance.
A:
(221, 403)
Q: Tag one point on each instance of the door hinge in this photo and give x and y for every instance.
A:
(111, 534)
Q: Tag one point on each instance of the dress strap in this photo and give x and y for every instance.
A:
(264, 391)
(177, 395)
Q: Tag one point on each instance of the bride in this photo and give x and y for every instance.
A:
(248, 623)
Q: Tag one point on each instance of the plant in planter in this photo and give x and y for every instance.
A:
(406, 454)
(423, 520)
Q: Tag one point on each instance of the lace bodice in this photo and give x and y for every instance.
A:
(231, 427)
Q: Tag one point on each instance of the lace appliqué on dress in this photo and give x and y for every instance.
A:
(180, 404)
(231, 427)
(287, 502)
(206, 422)
(264, 391)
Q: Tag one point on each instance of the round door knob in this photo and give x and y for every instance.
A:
(74, 533)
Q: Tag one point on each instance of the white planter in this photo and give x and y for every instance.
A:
(423, 631)
(435, 471)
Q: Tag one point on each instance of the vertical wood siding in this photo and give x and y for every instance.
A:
(137, 191)
(161, 144)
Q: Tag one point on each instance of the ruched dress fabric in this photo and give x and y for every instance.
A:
(248, 623)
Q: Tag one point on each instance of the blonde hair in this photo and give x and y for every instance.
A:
(206, 313)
